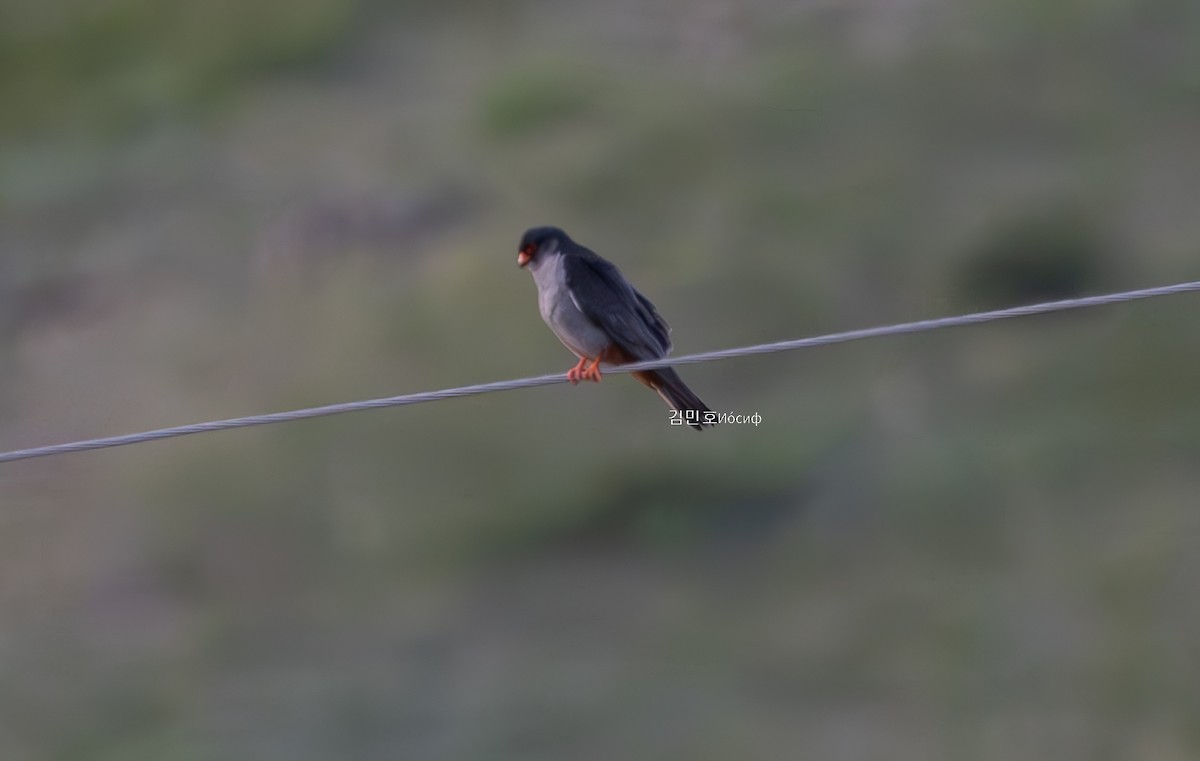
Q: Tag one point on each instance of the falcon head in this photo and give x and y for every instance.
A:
(540, 240)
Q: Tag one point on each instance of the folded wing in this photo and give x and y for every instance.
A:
(602, 293)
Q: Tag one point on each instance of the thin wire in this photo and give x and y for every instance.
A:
(919, 326)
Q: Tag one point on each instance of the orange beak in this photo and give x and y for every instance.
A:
(524, 258)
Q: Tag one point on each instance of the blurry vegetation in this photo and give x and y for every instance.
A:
(958, 544)
(1051, 254)
(94, 68)
(531, 101)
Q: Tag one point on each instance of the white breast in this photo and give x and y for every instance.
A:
(577, 332)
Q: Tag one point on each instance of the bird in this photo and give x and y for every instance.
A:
(597, 314)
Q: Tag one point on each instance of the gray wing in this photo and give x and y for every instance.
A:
(602, 293)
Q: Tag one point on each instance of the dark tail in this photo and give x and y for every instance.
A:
(667, 383)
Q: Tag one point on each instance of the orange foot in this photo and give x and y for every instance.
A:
(591, 373)
(575, 374)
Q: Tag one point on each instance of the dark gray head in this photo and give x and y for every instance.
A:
(539, 240)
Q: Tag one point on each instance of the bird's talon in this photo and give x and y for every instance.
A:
(592, 372)
(577, 373)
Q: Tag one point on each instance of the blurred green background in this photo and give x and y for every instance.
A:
(976, 544)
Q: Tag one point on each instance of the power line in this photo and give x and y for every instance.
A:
(920, 326)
